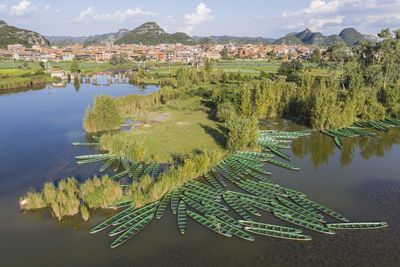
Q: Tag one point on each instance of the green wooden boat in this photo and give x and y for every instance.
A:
(194, 204)
(137, 172)
(175, 200)
(244, 196)
(121, 204)
(132, 231)
(202, 187)
(85, 161)
(221, 180)
(258, 205)
(261, 186)
(283, 164)
(299, 209)
(148, 169)
(135, 213)
(278, 234)
(125, 226)
(222, 215)
(357, 225)
(230, 228)
(106, 165)
(305, 202)
(214, 182)
(273, 227)
(328, 133)
(155, 171)
(305, 224)
(261, 177)
(338, 142)
(203, 201)
(207, 223)
(96, 138)
(163, 205)
(91, 156)
(244, 205)
(85, 144)
(109, 221)
(182, 217)
(132, 169)
(119, 175)
(116, 164)
(233, 202)
(202, 194)
(279, 153)
(125, 163)
(278, 208)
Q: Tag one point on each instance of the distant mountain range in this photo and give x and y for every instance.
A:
(13, 35)
(349, 36)
(151, 33)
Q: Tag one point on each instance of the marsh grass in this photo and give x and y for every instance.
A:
(85, 213)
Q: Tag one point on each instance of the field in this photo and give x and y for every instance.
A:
(183, 131)
(17, 78)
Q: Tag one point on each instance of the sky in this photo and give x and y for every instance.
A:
(202, 18)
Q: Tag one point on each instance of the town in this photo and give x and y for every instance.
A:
(189, 54)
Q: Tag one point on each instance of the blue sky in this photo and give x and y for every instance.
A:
(203, 18)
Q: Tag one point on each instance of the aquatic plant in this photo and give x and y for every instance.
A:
(103, 116)
(102, 193)
(34, 200)
(122, 144)
(84, 212)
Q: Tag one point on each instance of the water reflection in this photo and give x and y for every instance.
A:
(321, 147)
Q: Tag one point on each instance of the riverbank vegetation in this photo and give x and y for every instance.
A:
(18, 78)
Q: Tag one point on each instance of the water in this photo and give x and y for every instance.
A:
(38, 127)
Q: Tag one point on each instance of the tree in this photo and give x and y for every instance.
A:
(207, 66)
(337, 53)
(41, 65)
(104, 115)
(316, 55)
(75, 66)
(225, 53)
(390, 50)
(290, 69)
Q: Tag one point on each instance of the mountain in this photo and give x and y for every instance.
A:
(351, 37)
(348, 35)
(99, 39)
(13, 35)
(225, 39)
(151, 34)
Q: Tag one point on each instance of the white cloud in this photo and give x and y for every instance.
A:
(202, 14)
(330, 16)
(47, 7)
(90, 14)
(317, 24)
(320, 7)
(57, 11)
(24, 7)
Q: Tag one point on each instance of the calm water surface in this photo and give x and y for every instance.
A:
(38, 126)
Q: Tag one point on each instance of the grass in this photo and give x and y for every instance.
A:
(183, 131)
(19, 78)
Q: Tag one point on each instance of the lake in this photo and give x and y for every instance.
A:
(362, 182)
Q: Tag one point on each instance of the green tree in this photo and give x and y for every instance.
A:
(290, 69)
(316, 55)
(75, 66)
(390, 50)
(103, 116)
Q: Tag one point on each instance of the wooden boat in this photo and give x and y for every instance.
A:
(278, 234)
(116, 164)
(182, 217)
(283, 164)
(214, 182)
(85, 144)
(163, 205)
(279, 153)
(338, 142)
(121, 204)
(220, 180)
(304, 202)
(257, 204)
(244, 205)
(132, 169)
(106, 165)
(274, 227)
(230, 228)
(96, 138)
(125, 226)
(207, 223)
(137, 172)
(119, 175)
(222, 215)
(85, 161)
(109, 221)
(175, 200)
(203, 200)
(125, 163)
(233, 202)
(305, 224)
(132, 231)
(301, 210)
(194, 204)
(202, 194)
(135, 213)
(195, 185)
(91, 156)
(243, 196)
(357, 225)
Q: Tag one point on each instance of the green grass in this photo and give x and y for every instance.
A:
(183, 131)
